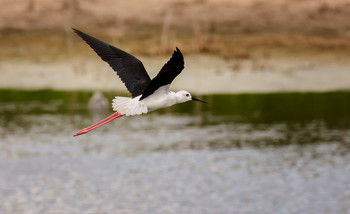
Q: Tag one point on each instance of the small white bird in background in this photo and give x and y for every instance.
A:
(147, 95)
(98, 106)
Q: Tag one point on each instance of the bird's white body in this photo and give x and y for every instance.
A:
(161, 98)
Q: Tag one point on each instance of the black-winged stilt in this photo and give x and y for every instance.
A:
(147, 95)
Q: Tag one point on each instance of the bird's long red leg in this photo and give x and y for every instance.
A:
(101, 123)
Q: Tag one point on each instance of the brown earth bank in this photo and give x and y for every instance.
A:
(233, 29)
(247, 16)
(243, 45)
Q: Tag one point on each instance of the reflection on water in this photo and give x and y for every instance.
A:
(271, 153)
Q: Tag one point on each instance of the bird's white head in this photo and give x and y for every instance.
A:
(184, 96)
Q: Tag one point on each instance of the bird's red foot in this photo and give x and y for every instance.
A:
(83, 131)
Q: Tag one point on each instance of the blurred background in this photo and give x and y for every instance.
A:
(274, 138)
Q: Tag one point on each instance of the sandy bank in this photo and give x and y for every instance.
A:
(203, 74)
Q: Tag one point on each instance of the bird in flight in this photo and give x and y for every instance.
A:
(147, 94)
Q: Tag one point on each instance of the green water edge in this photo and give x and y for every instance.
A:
(297, 118)
(331, 107)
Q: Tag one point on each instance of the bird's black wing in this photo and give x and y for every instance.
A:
(130, 70)
(167, 74)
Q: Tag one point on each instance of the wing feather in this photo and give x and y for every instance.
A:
(167, 74)
(130, 70)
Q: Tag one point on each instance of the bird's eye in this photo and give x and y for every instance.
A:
(187, 95)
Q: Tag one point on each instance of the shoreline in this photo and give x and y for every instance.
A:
(217, 75)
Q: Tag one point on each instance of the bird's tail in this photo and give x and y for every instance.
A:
(129, 106)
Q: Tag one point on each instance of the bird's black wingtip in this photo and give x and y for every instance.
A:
(81, 34)
(76, 31)
(177, 52)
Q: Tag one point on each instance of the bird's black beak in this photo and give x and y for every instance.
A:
(195, 99)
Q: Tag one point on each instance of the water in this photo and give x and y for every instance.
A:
(251, 153)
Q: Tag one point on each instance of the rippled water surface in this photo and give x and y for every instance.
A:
(267, 153)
